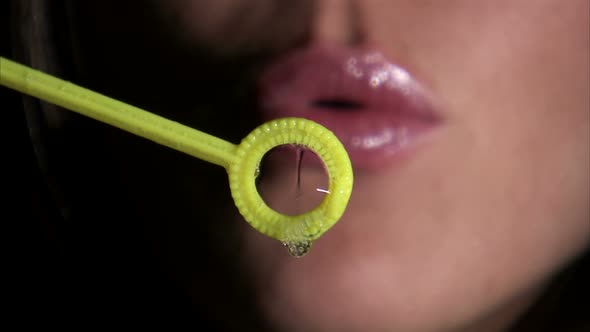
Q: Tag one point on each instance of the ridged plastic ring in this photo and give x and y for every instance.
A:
(303, 228)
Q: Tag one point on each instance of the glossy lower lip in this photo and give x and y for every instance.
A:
(375, 107)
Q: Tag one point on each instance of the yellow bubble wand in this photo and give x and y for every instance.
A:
(241, 161)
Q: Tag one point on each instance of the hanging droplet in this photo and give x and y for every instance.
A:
(298, 248)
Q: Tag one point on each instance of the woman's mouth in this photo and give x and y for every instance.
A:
(375, 107)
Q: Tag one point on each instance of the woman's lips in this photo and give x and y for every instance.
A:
(373, 106)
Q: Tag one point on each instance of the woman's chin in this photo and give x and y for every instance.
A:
(358, 277)
(349, 270)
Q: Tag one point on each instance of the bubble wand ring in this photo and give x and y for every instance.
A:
(241, 161)
(300, 230)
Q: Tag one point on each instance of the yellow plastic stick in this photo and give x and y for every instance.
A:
(241, 161)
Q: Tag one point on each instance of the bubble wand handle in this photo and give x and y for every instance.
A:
(116, 113)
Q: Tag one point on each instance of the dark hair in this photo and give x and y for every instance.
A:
(126, 281)
(564, 304)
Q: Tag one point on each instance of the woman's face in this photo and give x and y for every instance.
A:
(471, 158)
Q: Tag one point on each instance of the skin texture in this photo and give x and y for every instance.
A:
(467, 230)
(463, 235)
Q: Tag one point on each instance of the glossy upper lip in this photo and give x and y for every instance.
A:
(375, 107)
